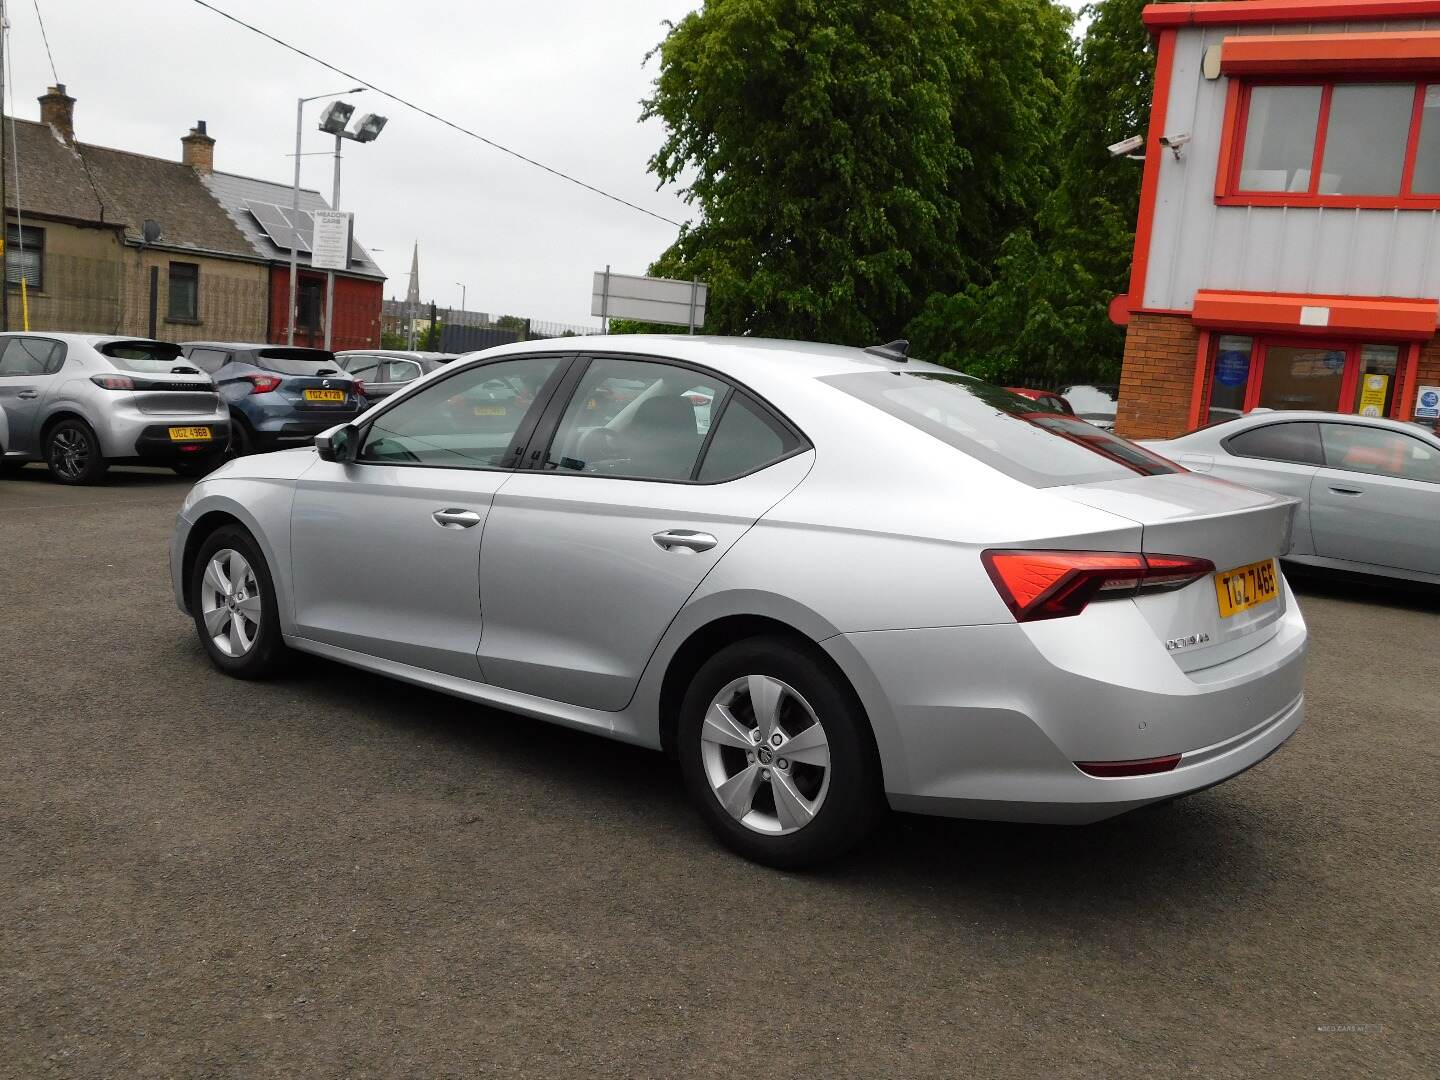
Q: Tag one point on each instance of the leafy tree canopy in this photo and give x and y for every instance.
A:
(853, 158)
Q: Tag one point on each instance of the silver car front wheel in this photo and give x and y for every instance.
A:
(766, 755)
(230, 603)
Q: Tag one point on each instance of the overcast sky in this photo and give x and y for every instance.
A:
(557, 80)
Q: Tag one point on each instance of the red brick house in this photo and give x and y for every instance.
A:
(1287, 253)
(359, 291)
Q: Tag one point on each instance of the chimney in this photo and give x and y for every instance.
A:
(57, 109)
(198, 150)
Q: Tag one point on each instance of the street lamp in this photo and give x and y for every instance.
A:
(462, 299)
(300, 104)
(334, 121)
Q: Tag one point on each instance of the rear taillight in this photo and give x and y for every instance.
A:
(263, 384)
(113, 382)
(1055, 584)
(359, 387)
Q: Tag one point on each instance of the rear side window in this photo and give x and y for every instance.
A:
(746, 439)
(208, 360)
(1360, 449)
(1297, 443)
(30, 356)
(143, 357)
(1001, 429)
(297, 361)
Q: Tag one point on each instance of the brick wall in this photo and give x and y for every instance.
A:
(1157, 376)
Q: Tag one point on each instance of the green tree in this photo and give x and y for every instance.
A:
(1043, 315)
(851, 158)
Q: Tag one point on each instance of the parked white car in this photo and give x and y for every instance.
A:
(1368, 488)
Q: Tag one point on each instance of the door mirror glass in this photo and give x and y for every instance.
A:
(338, 444)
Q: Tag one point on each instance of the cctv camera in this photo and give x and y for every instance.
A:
(1126, 146)
(1173, 143)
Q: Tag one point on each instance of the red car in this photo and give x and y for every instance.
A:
(1044, 399)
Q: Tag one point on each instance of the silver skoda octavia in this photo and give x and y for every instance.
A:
(825, 579)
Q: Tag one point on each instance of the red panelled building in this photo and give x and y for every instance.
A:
(1287, 253)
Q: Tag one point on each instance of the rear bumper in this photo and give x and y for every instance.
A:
(280, 433)
(126, 432)
(988, 721)
(154, 442)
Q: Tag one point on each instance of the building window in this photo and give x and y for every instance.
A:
(25, 256)
(1335, 143)
(184, 292)
(1248, 373)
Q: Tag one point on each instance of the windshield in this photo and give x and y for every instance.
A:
(1004, 430)
(147, 357)
(298, 361)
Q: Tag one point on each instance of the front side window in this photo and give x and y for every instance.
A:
(1338, 143)
(25, 256)
(467, 421)
(1297, 443)
(1378, 452)
(635, 418)
(1002, 429)
(184, 291)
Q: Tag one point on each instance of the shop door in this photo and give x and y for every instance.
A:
(1303, 376)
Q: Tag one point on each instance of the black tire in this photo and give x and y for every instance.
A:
(241, 444)
(198, 466)
(853, 800)
(72, 451)
(267, 655)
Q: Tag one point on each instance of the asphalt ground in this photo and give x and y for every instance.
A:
(336, 875)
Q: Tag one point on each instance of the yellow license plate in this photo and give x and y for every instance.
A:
(1246, 587)
(324, 395)
(490, 410)
(188, 434)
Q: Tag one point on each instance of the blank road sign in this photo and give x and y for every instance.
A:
(661, 300)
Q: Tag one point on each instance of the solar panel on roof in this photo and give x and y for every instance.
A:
(275, 221)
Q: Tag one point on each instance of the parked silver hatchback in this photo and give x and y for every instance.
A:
(825, 579)
(83, 402)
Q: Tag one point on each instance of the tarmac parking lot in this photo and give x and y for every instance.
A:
(337, 875)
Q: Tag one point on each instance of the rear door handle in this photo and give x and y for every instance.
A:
(456, 519)
(1347, 491)
(28, 394)
(688, 539)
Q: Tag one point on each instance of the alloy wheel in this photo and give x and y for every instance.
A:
(70, 452)
(230, 602)
(766, 755)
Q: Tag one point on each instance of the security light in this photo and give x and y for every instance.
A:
(1126, 146)
(335, 117)
(367, 127)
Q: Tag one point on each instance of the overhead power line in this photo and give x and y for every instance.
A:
(436, 116)
(46, 38)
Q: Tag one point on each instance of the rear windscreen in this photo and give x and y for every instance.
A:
(298, 361)
(147, 357)
(1004, 430)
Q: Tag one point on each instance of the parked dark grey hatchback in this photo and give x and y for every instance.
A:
(278, 396)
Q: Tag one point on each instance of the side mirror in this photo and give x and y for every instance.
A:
(338, 444)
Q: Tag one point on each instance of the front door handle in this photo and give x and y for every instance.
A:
(28, 395)
(1347, 491)
(687, 539)
(456, 519)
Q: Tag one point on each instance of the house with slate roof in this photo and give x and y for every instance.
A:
(110, 241)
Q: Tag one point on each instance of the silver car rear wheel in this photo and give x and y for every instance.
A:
(766, 755)
(230, 603)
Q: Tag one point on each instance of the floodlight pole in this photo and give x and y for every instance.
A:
(295, 216)
(330, 274)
